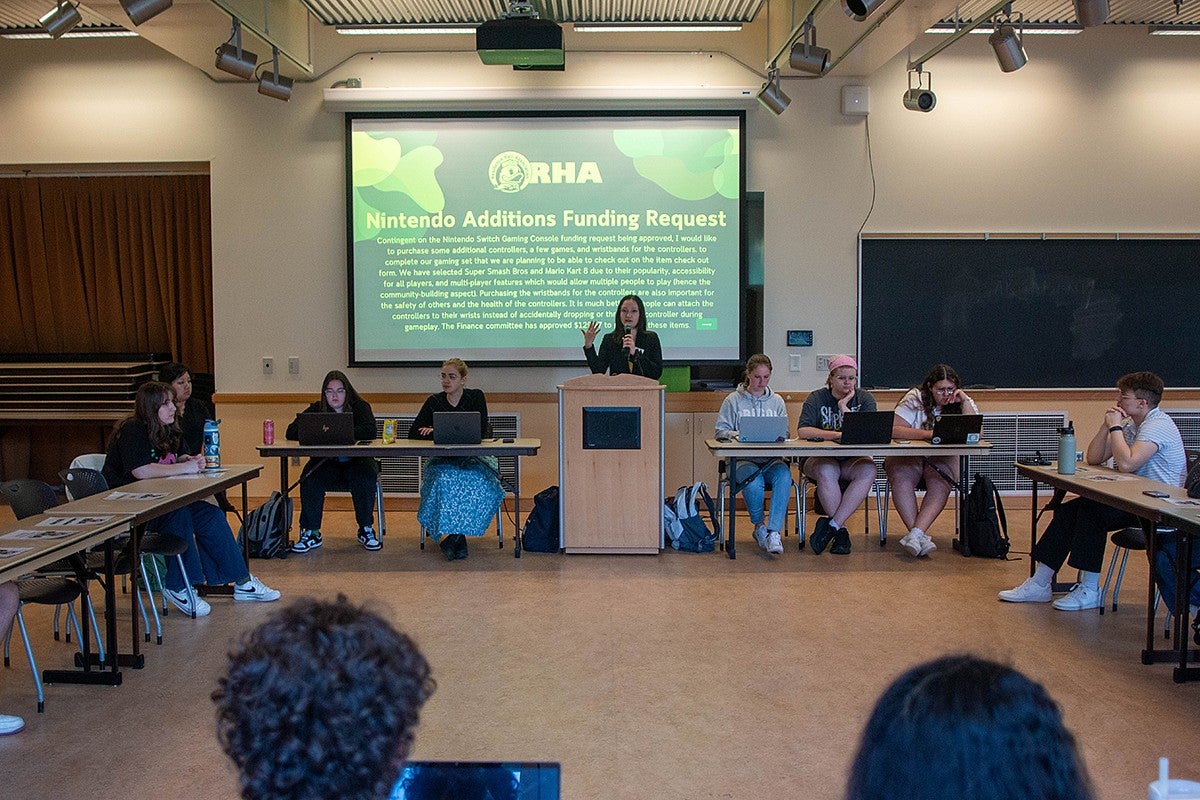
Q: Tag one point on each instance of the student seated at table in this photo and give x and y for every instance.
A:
(343, 474)
(1140, 438)
(821, 417)
(192, 412)
(10, 600)
(149, 445)
(754, 398)
(321, 701)
(963, 728)
(459, 496)
(940, 393)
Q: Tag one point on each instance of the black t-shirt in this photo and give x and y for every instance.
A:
(471, 400)
(129, 449)
(191, 424)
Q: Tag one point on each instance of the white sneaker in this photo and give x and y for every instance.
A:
(1028, 592)
(1080, 598)
(182, 600)
(912, 542)
(927, 545)
(10, 724)
(254, 589)
(774, 543)
(760, 536)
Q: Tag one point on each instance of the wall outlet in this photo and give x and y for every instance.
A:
(268, 365)
(293, 365)
(794, 362)
(823, 363)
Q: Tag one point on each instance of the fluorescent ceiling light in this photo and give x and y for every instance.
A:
(77, 33)
(1047, 29)
(1175, 30)
(657, 27)
(396, 30)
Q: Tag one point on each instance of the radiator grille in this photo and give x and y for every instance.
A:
(401, 475)
(1188, 422)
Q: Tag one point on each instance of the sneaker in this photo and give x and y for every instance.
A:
(460, 546)
(927, 545)
(841, 543)
(368, 539)
(823, 533)
(1027, 592)
(309, 540)
(912, 542)
(446, 545)
(254, 589)
(1080, 598)
(774, 543)
(182, 600)
(760, 536)
(10, 724)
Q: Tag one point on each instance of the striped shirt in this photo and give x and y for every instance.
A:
(1169, 462)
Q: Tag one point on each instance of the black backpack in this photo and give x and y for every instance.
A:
(267, 527)
(541, 526)
(986, 535)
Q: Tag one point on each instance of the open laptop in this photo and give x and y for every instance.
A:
(326, 428)
(758, 430)
(467, 780)
(457, 427)
(957, 429)
(867, 427)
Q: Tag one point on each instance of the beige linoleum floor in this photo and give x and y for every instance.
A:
(676, 676)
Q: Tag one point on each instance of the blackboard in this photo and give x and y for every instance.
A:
(1029, 313)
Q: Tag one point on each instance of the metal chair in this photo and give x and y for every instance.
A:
(723, 485)
(44, 591)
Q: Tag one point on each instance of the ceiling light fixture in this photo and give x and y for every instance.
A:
(918, 98)
(1027, 29)
(657, 27)
(141, 10)
(1091, 13)
(1175, 30)
(1006, 42)
(272, 84)
(806, 57)
(399, 30)
(233, 59)
(93, 32)
(60, 19)
(771, 94)
(858, 10)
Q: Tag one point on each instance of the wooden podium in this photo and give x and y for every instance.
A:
(610, 464)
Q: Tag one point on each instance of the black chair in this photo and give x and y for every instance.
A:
(44, 591)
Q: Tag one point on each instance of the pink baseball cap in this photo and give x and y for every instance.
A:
(842, 361)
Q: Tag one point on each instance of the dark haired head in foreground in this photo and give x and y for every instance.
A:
(962, 728)
(321, 701)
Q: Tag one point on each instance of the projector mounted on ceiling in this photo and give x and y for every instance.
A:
(521, 39)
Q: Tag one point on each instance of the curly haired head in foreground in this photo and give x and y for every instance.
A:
(321, 701)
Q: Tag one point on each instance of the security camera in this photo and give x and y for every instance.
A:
(920, 100)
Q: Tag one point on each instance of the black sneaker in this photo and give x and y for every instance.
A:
(368, 539)
(446, 544)
(841, 543)
(823, 533)
(460, 546)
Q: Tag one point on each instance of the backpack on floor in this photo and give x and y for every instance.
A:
(986, 534)
(266, 527)
(683, 524)
(541, 533)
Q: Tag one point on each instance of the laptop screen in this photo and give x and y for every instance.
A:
(477, 780)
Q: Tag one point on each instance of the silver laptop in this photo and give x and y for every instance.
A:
(762, 429)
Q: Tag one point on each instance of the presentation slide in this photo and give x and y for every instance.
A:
(496, 239)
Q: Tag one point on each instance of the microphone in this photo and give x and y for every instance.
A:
(632, 349)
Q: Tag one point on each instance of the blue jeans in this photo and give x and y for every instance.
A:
(780, 477)
(1164, 572)
(213, 555)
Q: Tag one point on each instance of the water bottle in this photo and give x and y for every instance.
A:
(212, 444)
(1066, 449)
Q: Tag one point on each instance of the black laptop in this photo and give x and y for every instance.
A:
(957, 429)
(867, 427)
(457, 427)
(468, 780)
(326, 428)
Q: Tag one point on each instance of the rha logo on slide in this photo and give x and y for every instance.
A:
(511, 172)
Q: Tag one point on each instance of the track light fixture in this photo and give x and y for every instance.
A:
(918, 98)
(272, 84)
(806, 57)
(1091, 13)
(858, 10)
(771, 94)
(141, 10)
(1006, 41)
(61, 18)
(233, 59)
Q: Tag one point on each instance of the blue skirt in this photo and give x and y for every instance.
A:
(458, 495)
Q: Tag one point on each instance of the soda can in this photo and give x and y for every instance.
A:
(268, 431)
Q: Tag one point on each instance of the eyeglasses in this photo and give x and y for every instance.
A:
(332, 390)
(1123, 397)
(946, 390)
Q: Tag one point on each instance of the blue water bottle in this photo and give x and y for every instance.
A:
(212, 444)
(1066, 449)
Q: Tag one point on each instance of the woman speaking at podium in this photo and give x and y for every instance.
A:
(630, 348)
